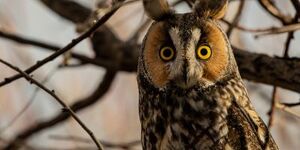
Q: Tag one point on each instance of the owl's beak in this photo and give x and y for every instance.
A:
(185, 72)
(184, 79)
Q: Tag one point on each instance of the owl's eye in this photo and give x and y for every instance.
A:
(204, 52)
(167, 53)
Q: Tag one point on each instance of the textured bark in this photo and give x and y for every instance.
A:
(276, 71)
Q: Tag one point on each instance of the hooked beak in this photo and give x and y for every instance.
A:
(185, 79)
(185, 71)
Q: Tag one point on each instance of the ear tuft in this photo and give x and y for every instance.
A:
(215, 9)
(157, 9)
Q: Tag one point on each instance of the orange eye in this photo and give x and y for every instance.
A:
(204, 52)
(167, 53)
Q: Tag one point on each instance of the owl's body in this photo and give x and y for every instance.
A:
(191, 93)
(218, 117)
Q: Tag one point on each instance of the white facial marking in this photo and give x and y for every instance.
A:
(195, 67)
(176, 66)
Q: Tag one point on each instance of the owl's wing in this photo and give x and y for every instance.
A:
(244, 120)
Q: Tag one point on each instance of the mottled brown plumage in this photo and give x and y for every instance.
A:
(191, 93)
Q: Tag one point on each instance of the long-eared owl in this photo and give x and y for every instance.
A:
(191, 93)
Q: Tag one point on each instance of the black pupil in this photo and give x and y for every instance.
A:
(203, 51)
(167, 53)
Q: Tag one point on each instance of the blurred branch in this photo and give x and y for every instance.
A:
(287, 109)
(68, 9)
(28, 104)
(116, 55)
(77, 106)
(83, 59)
(236, 18)
(66, 108)
(280, 30)
(20, 144)
(246, 67)
(22, 40)
(126, 145)
(273, 106)
(66, 48)
(102, 39)
(296, 5)
(291, 104)
(266, 31)
(285, 55)
(269, 6)
(281, 72)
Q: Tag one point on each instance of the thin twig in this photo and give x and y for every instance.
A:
(273, 106)
(28, 104)
(66, 108)
(274, 11)
(67, 47)
(266, 31)
(83, 59)
(280, 30)
(25, 145)
(285, 55)
(296, 5)
(287, 109)
(290, 38)
(291, 104)
(124, 145)
(236, 19)
(81, 104)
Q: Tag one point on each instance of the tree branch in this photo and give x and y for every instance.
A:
(236, 18)
(255, 67)
(266, 31)
(274, 11)
(68, 10)
(66, 108)
(245, 66)
(124, 145)
(83, 59)
(28, 104)
(281, 72)
(77, 106)
(66, 48)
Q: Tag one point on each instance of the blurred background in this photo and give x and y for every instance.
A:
(114, 118)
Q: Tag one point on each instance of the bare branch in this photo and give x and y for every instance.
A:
(281, 72)
(291, 104)
(83, 59)
(125, 145)
(77, 106)
(236, 18)
(245, 66)
(69, 10)
(287, 109)
(273, 106)
(274, 11)
(296, 5)
(275, 71)
(266, 31)
(279, 30)
(66, 48)
(66, 108)
(28, 104)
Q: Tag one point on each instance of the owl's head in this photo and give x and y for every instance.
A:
(186, 49)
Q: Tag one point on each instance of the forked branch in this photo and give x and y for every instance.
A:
(66, 108)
